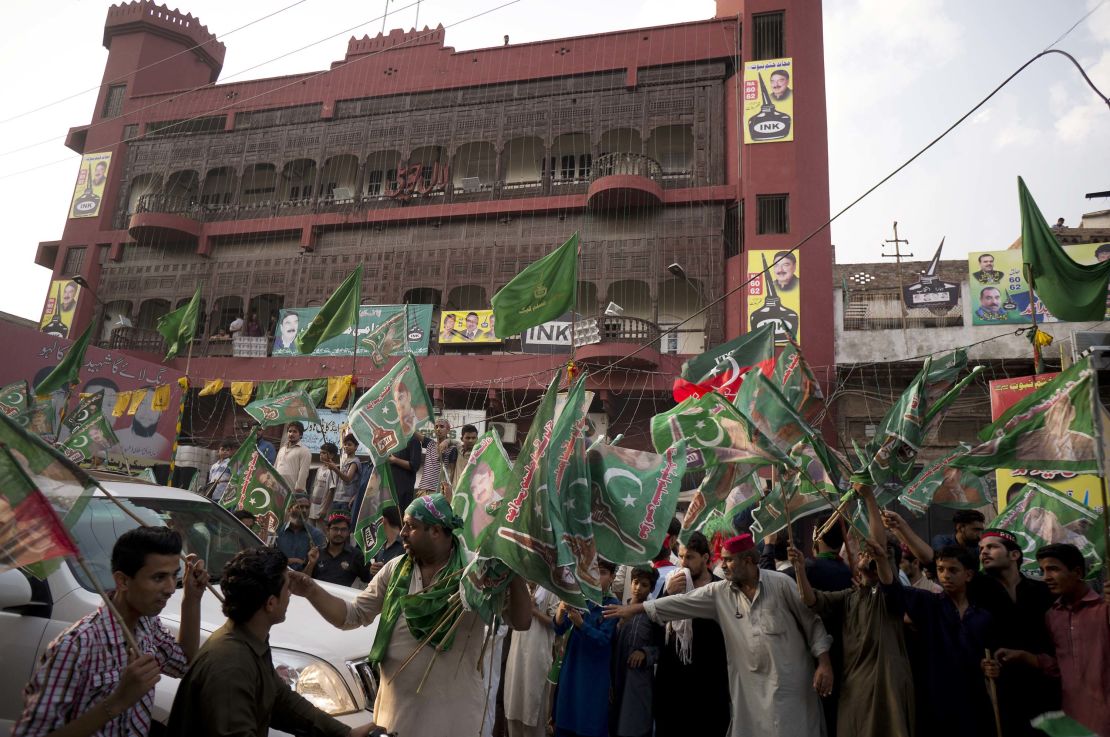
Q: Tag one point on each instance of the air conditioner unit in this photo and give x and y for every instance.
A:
(506, 430)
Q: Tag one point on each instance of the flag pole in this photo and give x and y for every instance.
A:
(1097, 409)
(1033, 315)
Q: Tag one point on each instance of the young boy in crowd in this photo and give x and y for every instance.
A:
(635, 652)
(323, 491)
(582, 704)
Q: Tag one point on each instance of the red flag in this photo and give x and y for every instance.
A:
(30, 530)
(727, 382)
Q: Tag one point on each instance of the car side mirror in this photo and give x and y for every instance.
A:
(15, 589)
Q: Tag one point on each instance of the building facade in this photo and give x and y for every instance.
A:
(444, 173)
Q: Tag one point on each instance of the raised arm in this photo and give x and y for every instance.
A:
(920, 549)
(799, 562)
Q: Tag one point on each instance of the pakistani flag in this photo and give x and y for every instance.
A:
(90, 439)
(385, 340)
(15, 398)
(257, 487)
(179, 326)
(1052, 429)
(338, 315)
(291, 406)
(31, 531)
(728, 485)
(779, 424)
(770, 516)
(542, 292)
(481, 487)
(1041, 516)
(715, 432)
(1072, 292)
(387, 415)
(87, 408)
(742, 496)
(1059, 724)
(381, 493)
(721, 368)
(633, 499)
(67, 370)
(946, 485)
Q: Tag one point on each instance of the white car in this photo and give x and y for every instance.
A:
(325, 665)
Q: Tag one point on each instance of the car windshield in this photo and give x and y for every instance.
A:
(207, 529)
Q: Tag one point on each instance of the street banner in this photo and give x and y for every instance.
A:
(387, 415)
(769, 101)
(773, 294)
(467, 326)
(377, 332)
(60, 306)
(91, 181)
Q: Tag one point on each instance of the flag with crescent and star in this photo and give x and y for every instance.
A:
(386, 416)
(257, 487)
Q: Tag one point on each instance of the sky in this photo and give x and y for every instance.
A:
(898, 72)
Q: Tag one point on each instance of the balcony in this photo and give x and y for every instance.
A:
(624, 181)
(160, 218)
(621, 339)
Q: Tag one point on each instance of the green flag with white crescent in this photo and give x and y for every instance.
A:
(715, 432)
(257, 487)
(541, 292)
(178, 327)
(480, 488)
(15, 398)
(381, 493)
(294, 406)
(386, 416)
(91, 438)
(87, 409)
(338, 315)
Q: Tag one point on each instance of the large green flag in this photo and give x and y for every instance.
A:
(634, 496)
(179, 326)
(338, 315)
(257, 487)
(721, 483)
(68, 369)
(1072, 292)
(795, 380)
(31, 534)
(543, 291)
(1041, 516)
(946, 485)
(481, 487)
(91, 438)
(294, 405)
(381, 493)
(15, 398)
(721, 368)
(386, 416)
(1052, 429)
(715, 432)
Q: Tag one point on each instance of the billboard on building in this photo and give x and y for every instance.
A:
(467, 326)
(91, 181)
(392, 330)
(774, 293)
(999, 291)
(1083, 487)
(769, 101)
(60, 306)
(553, 336)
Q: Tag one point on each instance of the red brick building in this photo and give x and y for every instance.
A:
(444, 173)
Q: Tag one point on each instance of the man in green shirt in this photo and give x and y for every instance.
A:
(231, 688)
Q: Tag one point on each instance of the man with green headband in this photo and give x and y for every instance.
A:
(411, 598)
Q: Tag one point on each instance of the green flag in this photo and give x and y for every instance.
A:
(1052, 429)
(1059, 724)
(40, 418)
(67, 370)
(634, 494)
(387, 415)
(483, 587)
(256, 486)
(87, 409)
(481, 487)
(1041, 516)
(179, 326)
(381, 493)
(89, 439)
(31, 535)
(793, 378)
(722, 483)
(15, 398)
(543, 291)
(1072, 292)
(385, 340)
(946, 485)
(764, 406)
(316, 389)
(715, 432)
(294, 405)
(338, 315)
(721, 368)
(769, 516)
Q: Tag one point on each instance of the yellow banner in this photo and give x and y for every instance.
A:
(769, 101)
(467, 326)
(91, 181)
(61, 303)
(774, 293)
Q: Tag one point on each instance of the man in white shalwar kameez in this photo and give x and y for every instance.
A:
(772, 639)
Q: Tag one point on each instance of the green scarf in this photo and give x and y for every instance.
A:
(423, 610)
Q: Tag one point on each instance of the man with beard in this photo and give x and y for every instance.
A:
(296, 538)
(452, 699)
(693, 652)
(339, 562)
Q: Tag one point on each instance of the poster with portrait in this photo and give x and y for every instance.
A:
(999, 292)
(388, 330)
(774, 293)
(769, 101)
(467, 326)
(60, 306)
(91, 181)
(1085, 488)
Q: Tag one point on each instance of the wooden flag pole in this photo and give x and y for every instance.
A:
(1033, 317)
(992, 687)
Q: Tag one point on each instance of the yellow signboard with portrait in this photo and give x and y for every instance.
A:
(61, 303)
(91, 181)
(466, 326)
(774, 293)
(769, 101)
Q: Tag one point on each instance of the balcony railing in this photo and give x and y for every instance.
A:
(637, 165)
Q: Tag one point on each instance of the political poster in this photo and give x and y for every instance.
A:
(774, 293)
(331, 428)
(467, 326)
(91, 181)
(769, 101)
(999, 292)
(61, 304)
(383, 331)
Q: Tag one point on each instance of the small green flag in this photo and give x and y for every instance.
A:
(722, 367)
(257, 487)
(179, 326)
(795, 380)
(1072, 292)
(89, 439)
(484, 586)
(87, 409)
(338, 315)
(387, 415)
(481, 487)
(722, 483)
(381, 493)
(1059, 724)
(946, 485)
(15, 398)
(294, 405)
(67, 371)
(543, 291)
(715, 432)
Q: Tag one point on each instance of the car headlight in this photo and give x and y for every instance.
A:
(315, 680)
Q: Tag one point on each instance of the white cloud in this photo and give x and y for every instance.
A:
(1082, 112)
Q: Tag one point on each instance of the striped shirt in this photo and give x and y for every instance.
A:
(84, 665)
(431, 469)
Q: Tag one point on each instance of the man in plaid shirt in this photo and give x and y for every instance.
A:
(87, 682)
